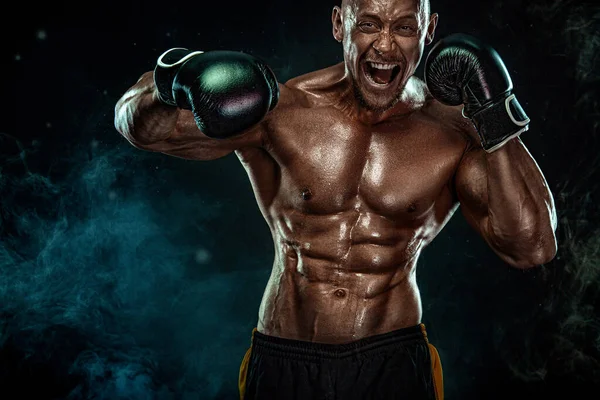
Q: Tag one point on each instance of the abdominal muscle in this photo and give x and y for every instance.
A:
(340, 278)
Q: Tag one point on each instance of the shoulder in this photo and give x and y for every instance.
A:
(315, 87)
(316, 81)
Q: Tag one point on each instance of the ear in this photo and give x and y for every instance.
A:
(433, 20)
(338, 25)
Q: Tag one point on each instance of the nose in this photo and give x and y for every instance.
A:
(384, 42)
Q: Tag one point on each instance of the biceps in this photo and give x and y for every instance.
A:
(190, 149)
(471, 189)
(187, 141)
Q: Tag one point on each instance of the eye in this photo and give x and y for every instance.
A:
(406, 29)
(368, 26)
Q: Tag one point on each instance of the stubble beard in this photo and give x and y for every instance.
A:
(369, 106)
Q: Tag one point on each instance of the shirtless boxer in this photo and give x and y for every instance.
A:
(356, 168)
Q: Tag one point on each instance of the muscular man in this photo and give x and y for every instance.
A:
(356, 168)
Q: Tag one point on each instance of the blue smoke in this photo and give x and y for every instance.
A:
(99, 297)
(112, 284)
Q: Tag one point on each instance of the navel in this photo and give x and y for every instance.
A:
(412, 208)
(306, 194)
(340, 293)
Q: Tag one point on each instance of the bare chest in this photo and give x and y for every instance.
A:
(330, 164)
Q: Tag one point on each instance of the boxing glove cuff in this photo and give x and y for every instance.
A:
(500, 122)
(167, 66)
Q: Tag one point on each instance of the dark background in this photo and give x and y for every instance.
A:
(126, 274)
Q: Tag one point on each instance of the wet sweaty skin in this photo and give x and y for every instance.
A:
(350, 207)
(383, 43)
(353, 193)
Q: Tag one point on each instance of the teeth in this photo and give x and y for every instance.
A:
(381, 66)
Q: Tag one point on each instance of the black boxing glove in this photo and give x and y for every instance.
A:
(226, 91)
(460, 69)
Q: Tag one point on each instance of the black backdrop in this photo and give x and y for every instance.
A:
(131, 275)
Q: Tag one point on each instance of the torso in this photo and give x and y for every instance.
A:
(350, 207)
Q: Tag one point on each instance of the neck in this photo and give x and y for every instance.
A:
(410, 100)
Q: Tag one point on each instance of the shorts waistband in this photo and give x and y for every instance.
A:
(298, 349)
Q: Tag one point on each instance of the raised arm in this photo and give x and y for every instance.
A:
(502, 192)
(198, 105)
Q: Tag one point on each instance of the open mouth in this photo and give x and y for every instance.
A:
(381, 74)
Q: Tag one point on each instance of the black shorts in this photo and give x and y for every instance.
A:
(400, 364)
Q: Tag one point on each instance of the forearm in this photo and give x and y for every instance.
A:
(141, 118)
(521, 215)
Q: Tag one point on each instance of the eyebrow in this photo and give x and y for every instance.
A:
(366, 14)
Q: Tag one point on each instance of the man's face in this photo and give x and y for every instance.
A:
(383, 42)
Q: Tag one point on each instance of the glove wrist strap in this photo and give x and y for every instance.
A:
(500, 122)
(167, 67)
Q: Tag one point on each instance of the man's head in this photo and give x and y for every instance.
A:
(383, 43)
